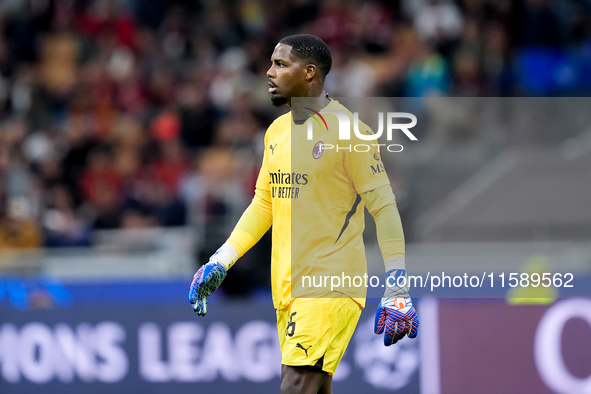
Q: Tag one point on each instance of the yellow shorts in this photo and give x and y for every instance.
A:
(316, 331)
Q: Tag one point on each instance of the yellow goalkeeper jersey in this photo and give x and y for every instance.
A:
(318, 218)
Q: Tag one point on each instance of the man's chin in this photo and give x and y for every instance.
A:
(278, 100)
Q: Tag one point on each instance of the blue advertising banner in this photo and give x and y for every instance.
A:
(159, 347)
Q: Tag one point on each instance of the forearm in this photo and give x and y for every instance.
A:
(396, 315)
(381, 204)
(253, 224)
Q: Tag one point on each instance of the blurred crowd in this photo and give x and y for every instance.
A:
(137, 113)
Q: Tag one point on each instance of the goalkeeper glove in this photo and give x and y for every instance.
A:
(396, 314)
(210, 276)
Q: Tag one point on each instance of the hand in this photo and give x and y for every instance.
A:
(398, 317)
(206, 280)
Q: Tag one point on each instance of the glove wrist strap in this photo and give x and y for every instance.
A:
(395, 263)
(226, 255)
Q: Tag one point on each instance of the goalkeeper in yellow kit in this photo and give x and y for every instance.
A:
(312, 196)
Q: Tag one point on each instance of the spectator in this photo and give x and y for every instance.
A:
(439, 23)
(102, 188)
(16, 232)
(105, 106)
(62, 225)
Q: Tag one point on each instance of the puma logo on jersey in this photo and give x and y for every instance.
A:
(299, 346)
(272, 147)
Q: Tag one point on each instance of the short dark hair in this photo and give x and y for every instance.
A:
(310, 48)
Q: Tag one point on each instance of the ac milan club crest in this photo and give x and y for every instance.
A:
(318, 150)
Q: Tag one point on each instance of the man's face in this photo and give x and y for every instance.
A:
(287, 76)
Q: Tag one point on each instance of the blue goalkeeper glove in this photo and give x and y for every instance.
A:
(210, 276)
(206, 280)
(396, 315)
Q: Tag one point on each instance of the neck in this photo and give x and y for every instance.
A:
(299, 112)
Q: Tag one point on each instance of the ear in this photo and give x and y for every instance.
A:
(311, 71)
